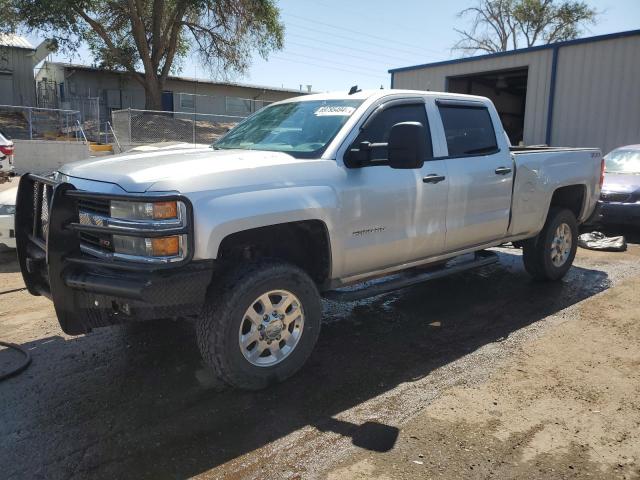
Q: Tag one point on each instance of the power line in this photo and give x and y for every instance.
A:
(362, 13)
(370, 66)
(373, 57)
(305, 56)
(357, 41)
(360, 33)
(304, 62)
(331, 64)
(395, 58)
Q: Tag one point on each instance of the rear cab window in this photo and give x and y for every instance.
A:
(378, 130)
(468, 129)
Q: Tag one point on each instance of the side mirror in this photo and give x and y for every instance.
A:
(407, 145)
(358, 157)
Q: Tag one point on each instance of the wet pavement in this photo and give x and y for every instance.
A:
(136, 401)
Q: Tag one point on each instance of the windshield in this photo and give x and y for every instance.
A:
(301, 129)
(623, 161)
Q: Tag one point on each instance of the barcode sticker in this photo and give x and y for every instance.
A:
(334, 111)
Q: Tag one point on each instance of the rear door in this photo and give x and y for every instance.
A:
(480, 173)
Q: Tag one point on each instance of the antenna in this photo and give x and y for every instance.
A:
(354, 89)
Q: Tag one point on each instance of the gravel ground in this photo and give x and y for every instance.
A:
(440, 362)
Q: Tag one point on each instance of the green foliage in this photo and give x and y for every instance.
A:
(155, 35)
(499, 25)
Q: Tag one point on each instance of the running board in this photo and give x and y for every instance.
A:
(408, 278)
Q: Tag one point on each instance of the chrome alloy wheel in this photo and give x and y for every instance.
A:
(271, 328)
(561, 245)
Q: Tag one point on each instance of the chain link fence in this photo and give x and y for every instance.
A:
(90, 114)
(133, 126)
(33, 123)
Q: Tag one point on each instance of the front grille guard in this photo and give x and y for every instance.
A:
(48, 243)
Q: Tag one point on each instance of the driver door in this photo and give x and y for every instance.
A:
(392, 216)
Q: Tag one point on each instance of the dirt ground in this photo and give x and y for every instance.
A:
(484, 374)
(566, 406)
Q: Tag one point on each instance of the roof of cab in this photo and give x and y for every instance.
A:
(375, 94)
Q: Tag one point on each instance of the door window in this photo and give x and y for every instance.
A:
(380, 126)
(469, 130)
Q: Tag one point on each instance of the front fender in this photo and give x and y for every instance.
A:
(217, 217)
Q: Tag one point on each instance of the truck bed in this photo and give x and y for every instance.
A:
(545, 148)
(540, 171)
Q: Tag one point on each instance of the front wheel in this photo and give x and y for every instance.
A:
(550, 255)
(260, 324)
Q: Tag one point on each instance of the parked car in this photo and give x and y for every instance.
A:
(6, 157)
(7, 213)
(308, 197)
(619, 202)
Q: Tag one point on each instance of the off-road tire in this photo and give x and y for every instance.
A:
(224, 309)
(536, 252)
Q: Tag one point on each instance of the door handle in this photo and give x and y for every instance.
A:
(433, 178)
(503, 170)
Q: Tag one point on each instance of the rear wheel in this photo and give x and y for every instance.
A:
(260, 324)
(550, 255)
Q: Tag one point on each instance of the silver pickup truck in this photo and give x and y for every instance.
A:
(336, 195)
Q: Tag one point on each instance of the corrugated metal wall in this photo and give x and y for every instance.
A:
(93, 83)
(19, 64)
(597, 97)
(538, 63)
(597, 101)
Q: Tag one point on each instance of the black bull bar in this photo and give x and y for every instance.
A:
(87, 291)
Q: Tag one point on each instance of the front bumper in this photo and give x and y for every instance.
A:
(89, 292)
(617, 213)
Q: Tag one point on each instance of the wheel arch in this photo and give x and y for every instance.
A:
(572, 197)
(307, 245)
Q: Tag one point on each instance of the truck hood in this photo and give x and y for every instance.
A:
(138, 171)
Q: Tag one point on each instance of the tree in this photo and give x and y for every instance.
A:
(155, 35)
(500, 25)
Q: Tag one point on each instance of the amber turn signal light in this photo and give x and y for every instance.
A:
(165, 246)
(165, 210)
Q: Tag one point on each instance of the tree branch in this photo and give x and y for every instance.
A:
(176, 28)
(138, 32)
(103, 34)
(157, 39)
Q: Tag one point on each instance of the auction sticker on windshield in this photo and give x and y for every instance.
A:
(334, 110)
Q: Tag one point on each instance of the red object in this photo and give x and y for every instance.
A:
(6, 149)
(601, 172)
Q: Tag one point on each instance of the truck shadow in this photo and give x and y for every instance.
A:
(133, 402)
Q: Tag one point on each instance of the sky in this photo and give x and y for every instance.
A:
(334, 44)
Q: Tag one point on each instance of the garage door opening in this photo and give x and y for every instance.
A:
(507, 89)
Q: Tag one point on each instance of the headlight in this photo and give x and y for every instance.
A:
(171, 246)
(136, 230)
(145, 210)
